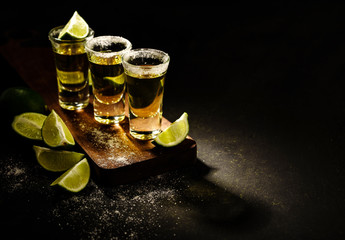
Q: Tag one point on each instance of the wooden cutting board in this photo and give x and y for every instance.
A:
(116, 157)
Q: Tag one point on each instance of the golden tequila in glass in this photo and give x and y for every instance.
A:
(71, 70)
(145, 76)
(108, 78)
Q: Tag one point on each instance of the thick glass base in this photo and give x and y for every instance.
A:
(109, 120)
(145, 135)
(74, 105)
(145, 128)
(109, 113)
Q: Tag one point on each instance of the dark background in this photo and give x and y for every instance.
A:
(263, 86)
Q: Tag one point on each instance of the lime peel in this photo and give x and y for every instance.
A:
(175, 133)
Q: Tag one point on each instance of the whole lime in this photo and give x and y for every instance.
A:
(17, 100)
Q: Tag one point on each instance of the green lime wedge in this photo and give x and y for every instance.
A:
(76, 28)
(175, 133)
(55, 132)
(55, 160)
(29, 125)
(118, 80)
(76, 178)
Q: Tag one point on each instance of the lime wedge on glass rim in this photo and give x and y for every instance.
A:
(55, 132)
(29, 125)
(76, 28)
(76, 178)
(175, 133)
(56, 160)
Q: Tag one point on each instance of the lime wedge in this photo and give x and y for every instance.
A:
(56, 161)
(118, 80)
(175, 133)
(76, 28)
(55, 132)
(29, 125)
(76, 178)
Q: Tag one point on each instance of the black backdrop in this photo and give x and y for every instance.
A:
(263, 85)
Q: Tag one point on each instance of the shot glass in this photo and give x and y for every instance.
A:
(108, 78)
(145, 71)
(71, 70)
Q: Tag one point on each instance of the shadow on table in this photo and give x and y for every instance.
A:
(184, 204)
(214, 206)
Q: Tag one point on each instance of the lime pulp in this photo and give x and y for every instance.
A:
(76, 178)
(56, 160)
(76, 28)
(29, 125)
(55, 132)
(175, 133)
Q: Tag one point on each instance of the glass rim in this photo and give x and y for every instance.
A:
(166, 56)
(110, 38)
(160, 68)
(55, 39)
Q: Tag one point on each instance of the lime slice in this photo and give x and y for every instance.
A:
(29, 125)
(55, 132)
(56, 161)
(118, 80)
(175, 133)
(76, 28)
(76, 178)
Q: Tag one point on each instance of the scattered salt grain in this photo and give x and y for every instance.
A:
(14, 174)
(104, 140)
(15, 171)
(128, 210)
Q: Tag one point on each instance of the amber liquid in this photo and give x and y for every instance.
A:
(145, 97)
(108, 87)
(108, 82)
(73, 82)
(145, 94)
